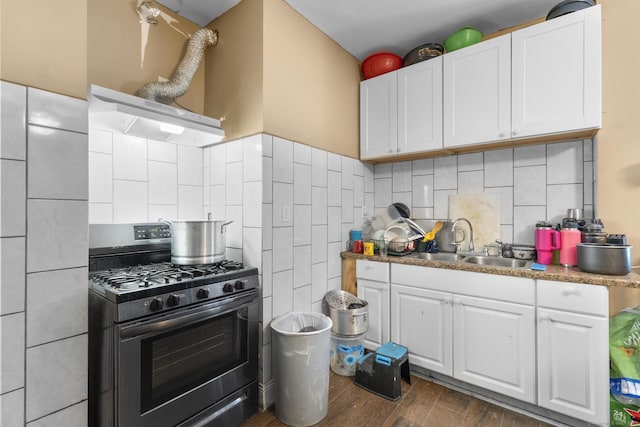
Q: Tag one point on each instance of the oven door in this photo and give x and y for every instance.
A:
(172, 367)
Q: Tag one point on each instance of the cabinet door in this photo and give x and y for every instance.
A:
(477, 93)
(379, 116)
(573, 364)
(420, 107)
(377, 296)
(557, 75)
(421, 321)
(495, 346)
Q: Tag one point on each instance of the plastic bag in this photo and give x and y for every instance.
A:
(624, 354)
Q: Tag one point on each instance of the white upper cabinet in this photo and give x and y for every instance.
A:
(477, 93)
(401, 111)
(379, 116)
(556, 76)
(420, 107)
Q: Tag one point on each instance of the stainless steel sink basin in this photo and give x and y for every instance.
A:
(498, 262)
(440, 256)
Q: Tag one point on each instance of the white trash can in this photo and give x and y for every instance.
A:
(300, 361)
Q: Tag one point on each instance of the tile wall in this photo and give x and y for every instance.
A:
(43, 258)
(135, 179)
(292, 207)
(534, 182)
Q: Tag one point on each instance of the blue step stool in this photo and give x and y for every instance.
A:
(381, 372)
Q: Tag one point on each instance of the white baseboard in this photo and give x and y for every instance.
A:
(266, 394)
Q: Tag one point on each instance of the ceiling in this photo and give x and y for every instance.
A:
(363, 27)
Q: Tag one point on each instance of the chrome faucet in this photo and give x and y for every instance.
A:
(500, 247)
(453, 230)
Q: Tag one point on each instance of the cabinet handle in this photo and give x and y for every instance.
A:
(570, 291)
(455, 301)
(515, 132)
(501, 134)
(544, 317)
(446, 300)
(390, 150)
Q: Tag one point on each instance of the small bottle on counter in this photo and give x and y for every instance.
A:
(569, 238)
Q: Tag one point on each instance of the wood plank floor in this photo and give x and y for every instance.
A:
(423, 403)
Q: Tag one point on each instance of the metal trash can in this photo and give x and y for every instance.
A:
(300, 361)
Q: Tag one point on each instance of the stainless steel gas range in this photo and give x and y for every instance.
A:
(169, 345)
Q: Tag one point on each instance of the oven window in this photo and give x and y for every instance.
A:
(177, 361)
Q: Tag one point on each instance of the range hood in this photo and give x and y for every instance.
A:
(132, 115)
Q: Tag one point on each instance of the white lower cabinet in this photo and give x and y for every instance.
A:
(573, 351)
(422, 322)
(479, 328)
(373, 287)
(494, 346)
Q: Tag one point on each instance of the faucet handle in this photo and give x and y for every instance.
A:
(500, 246)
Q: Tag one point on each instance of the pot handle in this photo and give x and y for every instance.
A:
(223, 226)
(166, 221)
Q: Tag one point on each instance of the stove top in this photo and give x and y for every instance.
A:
(134, 278)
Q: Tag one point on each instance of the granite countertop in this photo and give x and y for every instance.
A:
(553, 272)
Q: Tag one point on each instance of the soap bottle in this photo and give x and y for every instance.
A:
(569, 238)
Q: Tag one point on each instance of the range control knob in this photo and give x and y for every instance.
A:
(173, 300)
(202, 293)
(156, 304)
(228, 287)
(238, 285)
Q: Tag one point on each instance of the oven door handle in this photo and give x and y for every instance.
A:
(211, 310)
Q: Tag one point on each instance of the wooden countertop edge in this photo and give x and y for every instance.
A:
(553, 272)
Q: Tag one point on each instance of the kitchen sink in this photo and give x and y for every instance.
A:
(497, 262)
(440, 256)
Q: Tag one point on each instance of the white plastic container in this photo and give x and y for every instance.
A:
(345, 352)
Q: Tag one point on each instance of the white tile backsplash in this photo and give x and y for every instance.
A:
(130, 201)
(383, 196)
(57, 305)
(335, 224)
(234, 151)
(190, 203)
(12, 280)
(422, 167)
(190, 167)
(445, 173)
(422, 191)
(347, 173)
(52, 110)
(282, 292)
(163, 183)
(57, 164)
(252, 204)
(59, 366)
(530, 155)
(498, 168)
(302, 154)
(319, 167)
(100, 177)
(301, 225)
(302, 266)
(334, 189)
(12, 408)
(282, 204)
(129, 158)
(319, 239)
(470, 182)
(13, 113)
(72, 416)
(561, 197)
(13, 179)
(282, 249)
(301, 184)
(101, 141)
(252, 159)
(12, 346)
(59, 224)
(401, 177)
(234, 183)
(334, 162)
(470, 162)
(530, 186)
(564, 162)
(302, 299)
(282, 160)
(161, 151)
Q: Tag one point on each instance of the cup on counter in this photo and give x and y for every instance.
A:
(383, 246)
(358, 246)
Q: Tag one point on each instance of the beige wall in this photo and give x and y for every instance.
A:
(233, 69)
(311, 84)
(43, 44)
(618, 140)
(125, 54)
